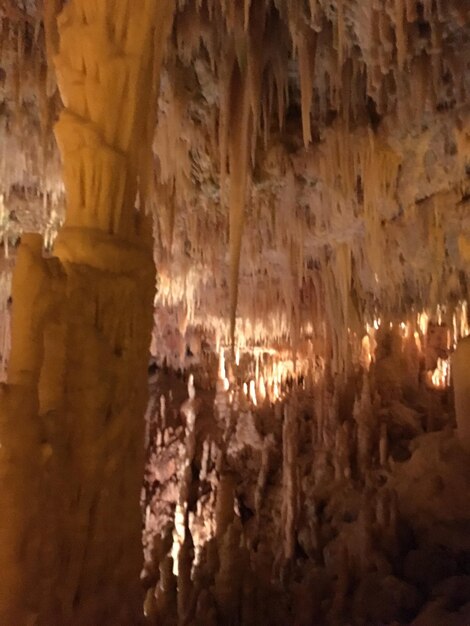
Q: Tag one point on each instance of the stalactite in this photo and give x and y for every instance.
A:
(290, 508)
(52, 9)
(400, 33)
(306, 50)
(340, 34)
(240, 120)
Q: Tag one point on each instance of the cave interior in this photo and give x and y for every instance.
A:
(234, 325)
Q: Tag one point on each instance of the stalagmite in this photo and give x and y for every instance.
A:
(290, 481)
(461, 376)
(383, 447)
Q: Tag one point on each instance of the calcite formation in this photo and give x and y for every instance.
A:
(331, 503)
(278, 98)
(461, 374)
(81, 328)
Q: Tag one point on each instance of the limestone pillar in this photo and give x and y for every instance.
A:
(72, 414)
(461, 378)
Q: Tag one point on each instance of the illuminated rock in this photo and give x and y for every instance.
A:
(461, 378)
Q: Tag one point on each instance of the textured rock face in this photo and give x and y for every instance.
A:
(305, 508)
(330, 501)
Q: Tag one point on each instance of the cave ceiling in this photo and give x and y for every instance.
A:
(354, 195)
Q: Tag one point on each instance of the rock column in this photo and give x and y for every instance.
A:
(72, 414)
(461, 377)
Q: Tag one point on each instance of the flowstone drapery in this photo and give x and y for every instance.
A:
(71, 416)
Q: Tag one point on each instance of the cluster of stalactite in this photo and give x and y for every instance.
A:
(331, 228)
(340, 501)
(321, 130)
(30, 173)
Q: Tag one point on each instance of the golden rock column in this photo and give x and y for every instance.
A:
(71, 417)
(461, 378)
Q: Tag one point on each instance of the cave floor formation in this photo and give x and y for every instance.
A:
(305, 511)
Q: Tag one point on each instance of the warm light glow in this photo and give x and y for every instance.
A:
(423, 321)
(405, 329)
(464, 328)
(221, 364)
(253, 392)
(267, 369)
(276, 391)
(262, 388)
(366, 356)
(440, 377)
(455, 330)
(178, 537)
(418, 341)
